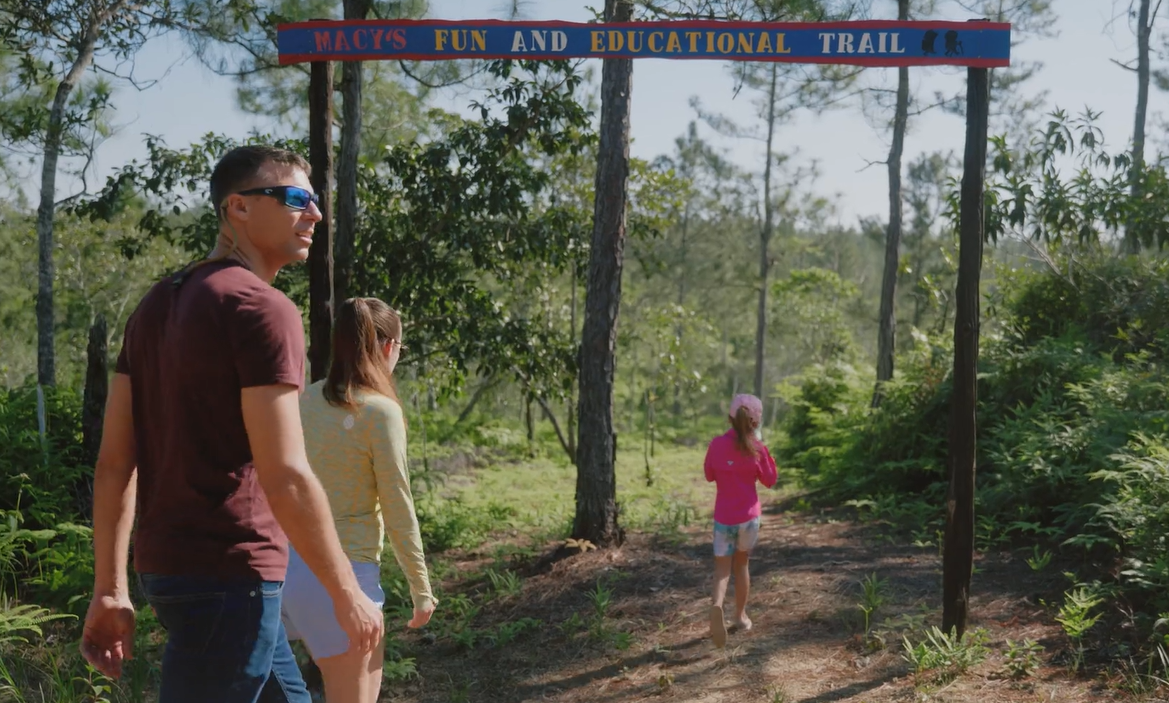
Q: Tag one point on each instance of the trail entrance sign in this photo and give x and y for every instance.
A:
(865, 43)
(978, 45)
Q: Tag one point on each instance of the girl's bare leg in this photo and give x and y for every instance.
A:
(742, 588)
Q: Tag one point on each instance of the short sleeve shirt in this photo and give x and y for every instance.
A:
(197, 339)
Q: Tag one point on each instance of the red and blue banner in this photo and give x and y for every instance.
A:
(862, 43)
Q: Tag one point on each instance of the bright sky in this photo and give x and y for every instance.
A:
(190, 101)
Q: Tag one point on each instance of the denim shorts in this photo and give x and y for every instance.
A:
(729, 539)
(308, 608)
(225, 641)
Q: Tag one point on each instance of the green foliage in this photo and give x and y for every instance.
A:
(1076, 618)
(101, 268)
(398, 670)
(44, 492)
(872, 597)
(42, 485)
(1073, 427)
(506, 583)
(1023, 658)
(1027, 193)
(18, 621)
(810, 310)
(462, 231)
(452, 523)
(946, 654)
(1137, 514)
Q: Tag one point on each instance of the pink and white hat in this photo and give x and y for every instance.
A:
(753, 405)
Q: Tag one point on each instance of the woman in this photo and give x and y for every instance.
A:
(355, 433)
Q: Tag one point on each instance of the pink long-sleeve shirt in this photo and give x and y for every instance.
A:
(734, 473)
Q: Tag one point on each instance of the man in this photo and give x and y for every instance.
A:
(203, 435)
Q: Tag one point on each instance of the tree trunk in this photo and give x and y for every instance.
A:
(570, 445)
(958, 559)
(46, 351)
(320, 253)
(93, 404)
(346, 238)
(765, 238)
(565, 442)
(887, 322)
(681, 301)
(1132, 242)
(529, 424)
(596, 481)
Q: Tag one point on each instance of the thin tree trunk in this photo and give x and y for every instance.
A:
(681, 301)
(1132, 243)
(596, 482)
(529, 424)
(96, 388)
(765, 238)
(93, 402)
(46, 350)
(320, 254)
(958, 558)
(346, 233)
(565, 442)
(487, 385)
(887, 321)
(570, 445)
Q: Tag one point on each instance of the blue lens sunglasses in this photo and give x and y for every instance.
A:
(293, 196)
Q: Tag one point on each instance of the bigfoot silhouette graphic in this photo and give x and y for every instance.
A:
(953, 44)
(927, 43)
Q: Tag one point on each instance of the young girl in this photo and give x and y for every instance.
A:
(355, 434)
(735, 461)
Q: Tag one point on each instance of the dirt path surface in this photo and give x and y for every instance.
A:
(807, 645)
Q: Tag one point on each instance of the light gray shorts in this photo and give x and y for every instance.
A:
(307, 609)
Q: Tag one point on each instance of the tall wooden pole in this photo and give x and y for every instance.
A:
(596, 454)
(958, 560)
(320, 255)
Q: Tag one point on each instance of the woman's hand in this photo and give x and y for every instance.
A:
(421, 616)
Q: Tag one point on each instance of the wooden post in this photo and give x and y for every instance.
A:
(958, 560)
(320, 255)
(596, 481)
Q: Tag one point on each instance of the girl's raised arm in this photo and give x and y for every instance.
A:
(768, 474)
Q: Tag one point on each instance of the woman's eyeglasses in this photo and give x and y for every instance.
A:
(294, 197)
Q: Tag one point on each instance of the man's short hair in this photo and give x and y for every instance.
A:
(239, 167)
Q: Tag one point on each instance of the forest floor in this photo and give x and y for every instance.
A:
(631, 623)
(523, 617)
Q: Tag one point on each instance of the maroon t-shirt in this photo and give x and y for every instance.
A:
(194, 342)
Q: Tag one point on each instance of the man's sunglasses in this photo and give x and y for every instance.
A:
(294, 197)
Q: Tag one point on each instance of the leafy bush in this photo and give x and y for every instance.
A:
(1073, 435)
(452, 524)
(45, 491)
(51, 483)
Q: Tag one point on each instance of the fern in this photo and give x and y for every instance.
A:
(18, 620)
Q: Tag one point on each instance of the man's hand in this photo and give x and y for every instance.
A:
(421, 616)
(108, 637)
(361, 619)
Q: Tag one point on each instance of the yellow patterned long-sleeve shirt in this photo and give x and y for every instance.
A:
(359, 456)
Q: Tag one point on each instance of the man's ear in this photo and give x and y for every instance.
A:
(237, 206)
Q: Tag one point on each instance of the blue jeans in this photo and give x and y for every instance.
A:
(225, 641)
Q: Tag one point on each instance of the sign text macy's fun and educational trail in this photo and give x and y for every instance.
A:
(866, 43)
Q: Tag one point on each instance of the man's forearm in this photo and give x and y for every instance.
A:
(114, 495)
(302, 509)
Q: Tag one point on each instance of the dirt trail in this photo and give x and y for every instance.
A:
(807, 644)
